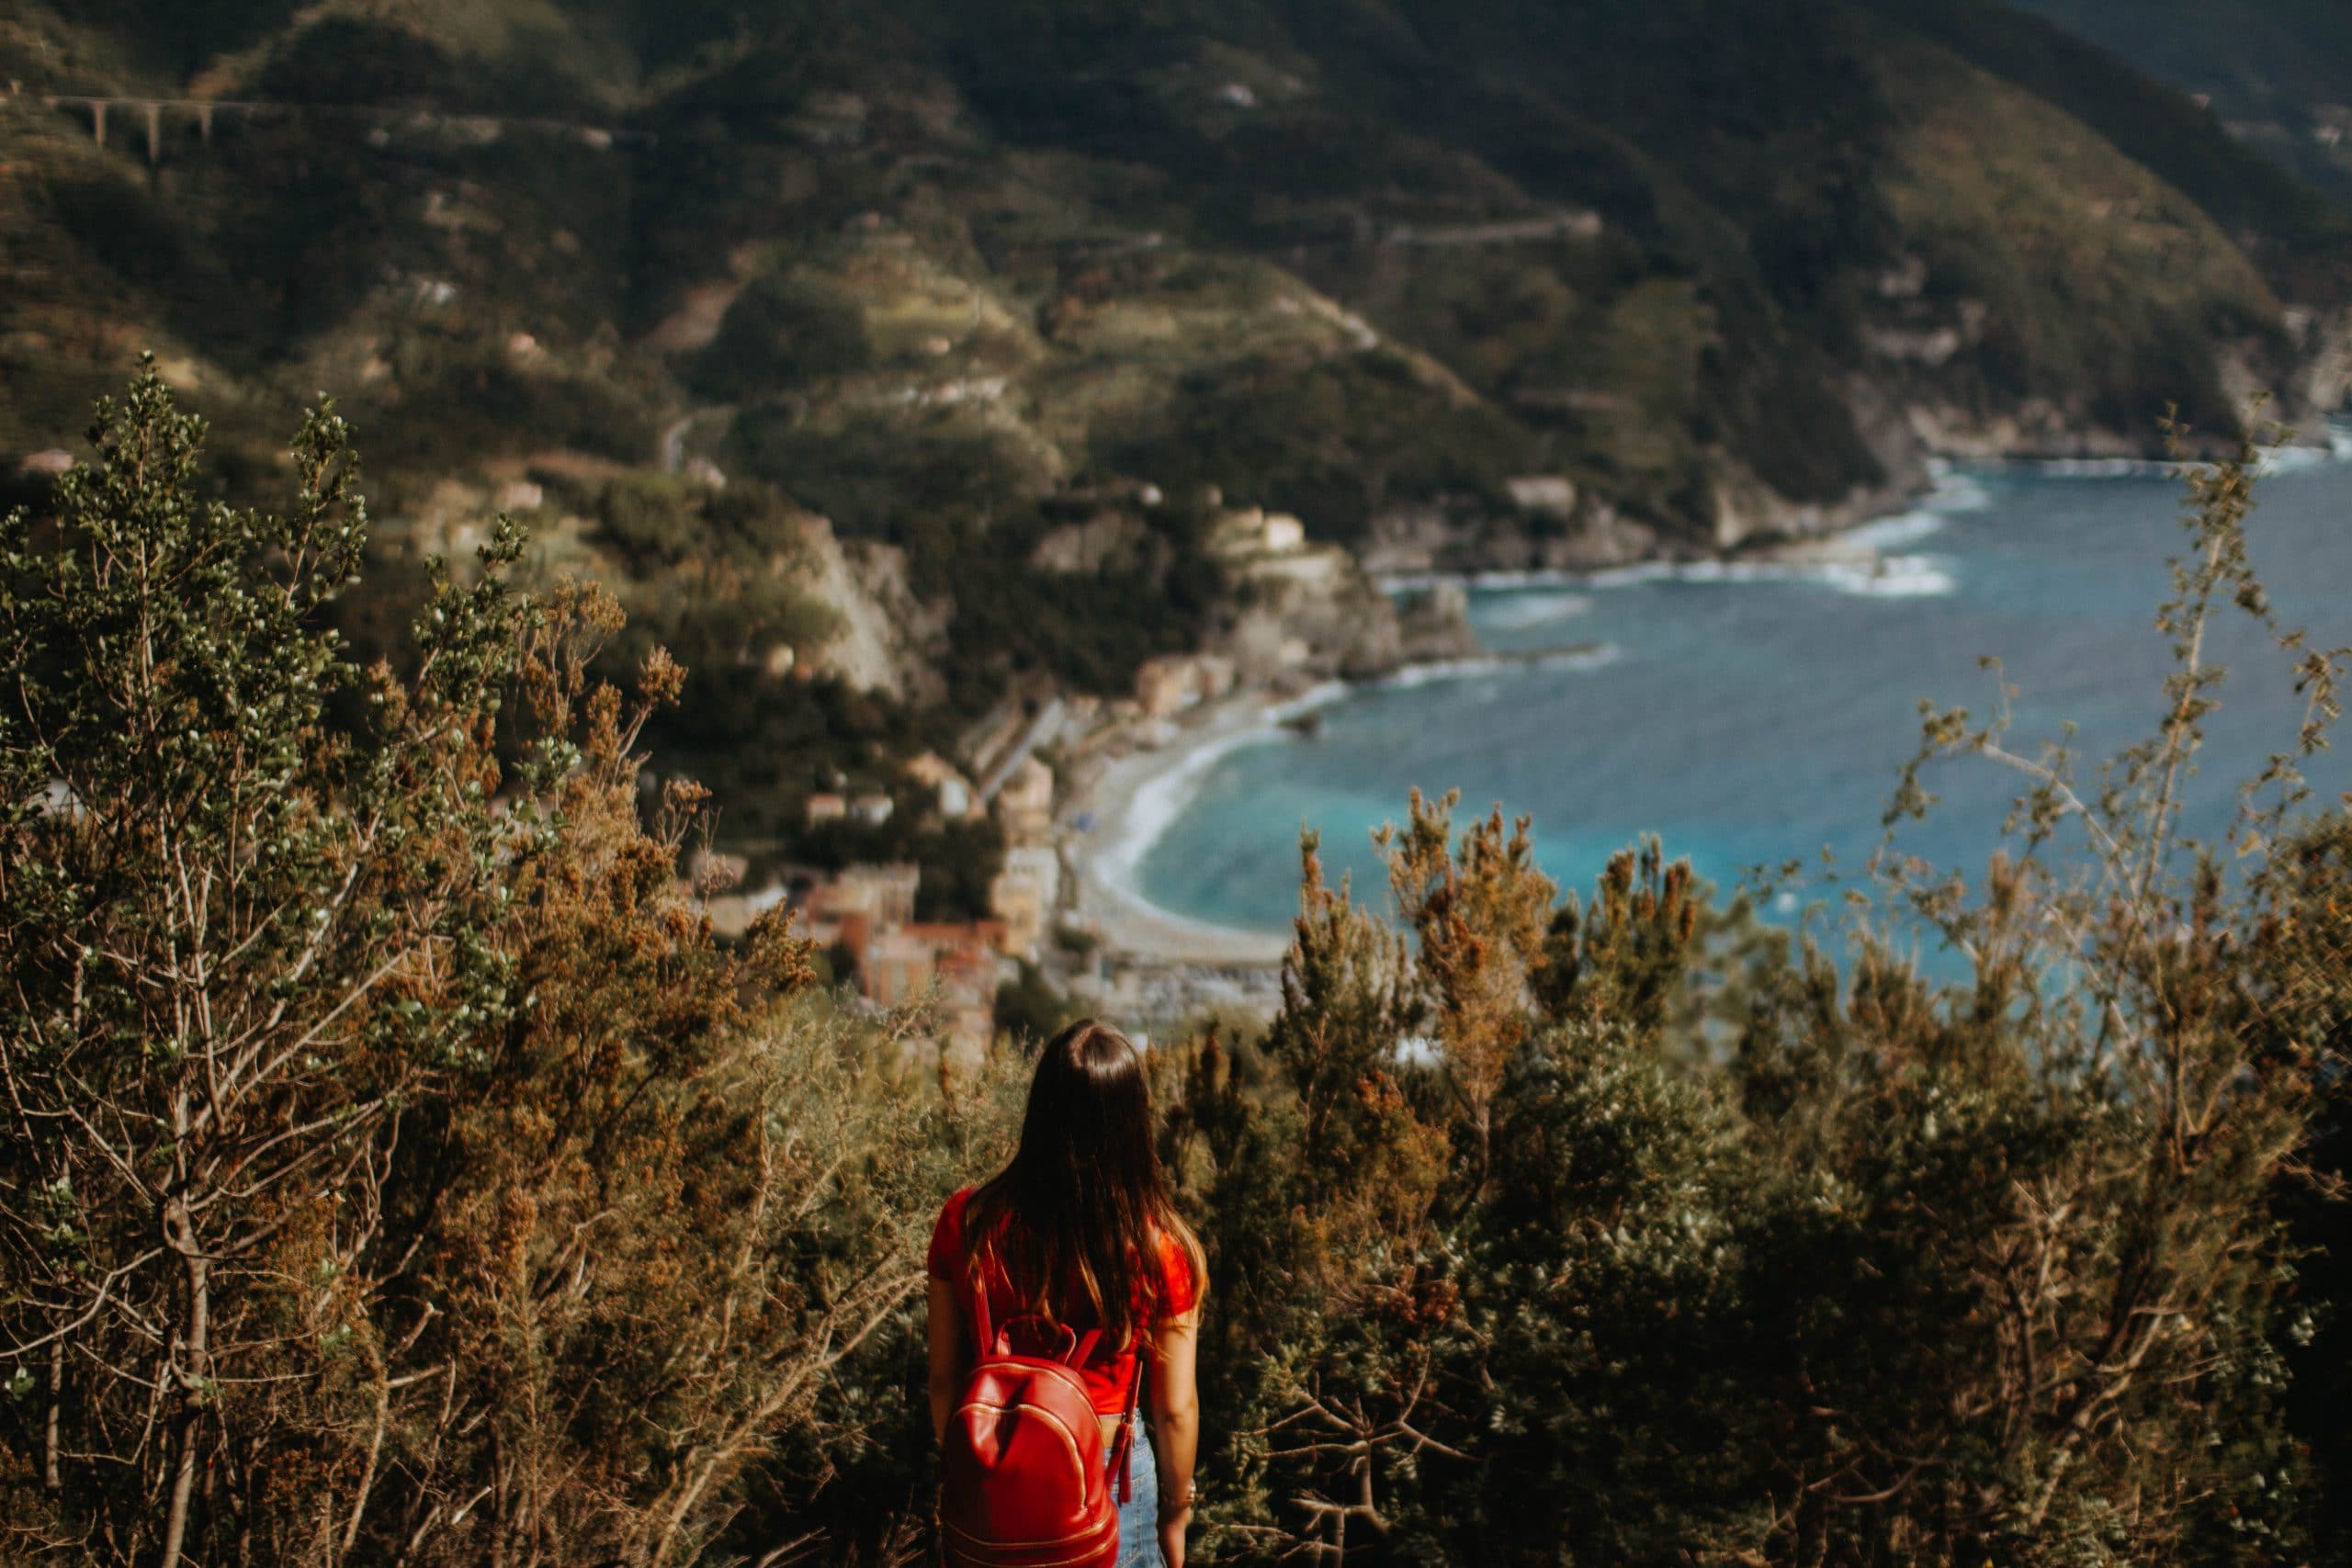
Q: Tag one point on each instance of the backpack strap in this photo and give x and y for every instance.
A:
(1123, 1446)
(981, 1331)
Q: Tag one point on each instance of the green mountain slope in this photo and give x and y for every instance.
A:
(961, 280)
(2298, 232)
(2083, 281)
(2280, 72)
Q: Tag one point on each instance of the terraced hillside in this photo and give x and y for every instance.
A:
(2277, 73)
(960, 279)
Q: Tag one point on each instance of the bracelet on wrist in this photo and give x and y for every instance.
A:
(1171, 1506)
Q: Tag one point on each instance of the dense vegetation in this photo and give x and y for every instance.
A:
(2302, 233)
(962, 280)
(397, 1170)
(1141, 224)
(2276, 71)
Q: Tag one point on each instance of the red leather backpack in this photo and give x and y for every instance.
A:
(1023, 1483)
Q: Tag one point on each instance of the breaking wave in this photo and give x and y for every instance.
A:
(1532, 607)
(1597, 656)
(1886, 577)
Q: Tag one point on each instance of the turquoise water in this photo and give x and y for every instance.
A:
(1749, 717)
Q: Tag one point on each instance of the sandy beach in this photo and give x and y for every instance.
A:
(1136, 795)
(1133, 800)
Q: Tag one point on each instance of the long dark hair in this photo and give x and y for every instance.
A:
(1080, 1219)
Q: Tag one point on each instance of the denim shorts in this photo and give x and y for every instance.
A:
(1140, 1515)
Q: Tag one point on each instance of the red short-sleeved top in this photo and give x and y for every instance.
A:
(1110, 1375)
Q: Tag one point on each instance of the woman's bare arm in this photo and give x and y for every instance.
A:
(946, 1334)
(1175, 1426)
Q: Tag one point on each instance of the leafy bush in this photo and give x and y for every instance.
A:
(396, 1165)
(1519, 1261)
(397, 1168)
(1333, 441)
(783, 333)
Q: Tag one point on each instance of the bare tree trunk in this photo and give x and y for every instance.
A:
(367, 1472)
(52, 1475)
(177, 1232)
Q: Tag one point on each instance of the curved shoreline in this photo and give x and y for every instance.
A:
(1140, 794)
(1133, 801)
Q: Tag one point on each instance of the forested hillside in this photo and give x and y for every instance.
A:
(2278, 71)
(1366, 261)
(1018, 297)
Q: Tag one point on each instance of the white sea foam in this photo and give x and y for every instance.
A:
(2334, 446)
(1953, 488)
(1887, 577)
(1899, 577)
(2273, 459)
(2294, 460)
(1953, 493)
(1536, 598)
(1882, 577)
(1160, 799)
(1307, 702)
(1532, 607)
(1890, 532)
(1413, 675)
(1629, 576)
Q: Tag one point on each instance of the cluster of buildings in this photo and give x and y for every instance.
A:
(867, 915)
(864, 914)
(873, 809)
(1166, 686)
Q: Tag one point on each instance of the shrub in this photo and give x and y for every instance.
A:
(396, 1167)
(1521, 1259)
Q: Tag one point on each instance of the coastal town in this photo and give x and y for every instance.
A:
(1076, 787)
(1045, 913)
(1060, 779)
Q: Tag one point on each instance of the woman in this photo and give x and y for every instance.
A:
(1080, 1229)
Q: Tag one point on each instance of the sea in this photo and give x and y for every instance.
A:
(1749, 715)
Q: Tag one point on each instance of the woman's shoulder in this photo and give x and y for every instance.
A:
(947, 1234)
(1182, 1269)
(953, 1213)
